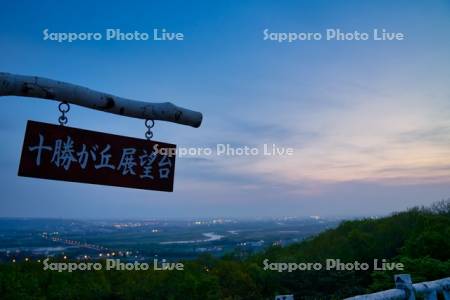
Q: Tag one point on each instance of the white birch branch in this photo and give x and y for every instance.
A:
(38, 87)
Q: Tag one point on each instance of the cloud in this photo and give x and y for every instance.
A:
(380, 133)
(437, 135)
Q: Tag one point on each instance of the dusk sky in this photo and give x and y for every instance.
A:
(369, 121)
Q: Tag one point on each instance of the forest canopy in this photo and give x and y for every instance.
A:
(417, 238)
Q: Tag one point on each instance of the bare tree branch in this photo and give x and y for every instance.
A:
(38, 87)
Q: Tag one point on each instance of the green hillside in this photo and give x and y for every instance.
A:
(417, 238)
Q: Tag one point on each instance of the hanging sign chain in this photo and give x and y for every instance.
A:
(64, 108)
(149, 124)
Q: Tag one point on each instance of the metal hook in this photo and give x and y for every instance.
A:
(149, 133)
(63, 108)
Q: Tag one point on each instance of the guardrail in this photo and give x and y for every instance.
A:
(406, 290)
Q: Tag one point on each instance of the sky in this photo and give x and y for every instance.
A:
(369, 121)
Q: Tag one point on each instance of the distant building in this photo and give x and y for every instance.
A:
(284, 297)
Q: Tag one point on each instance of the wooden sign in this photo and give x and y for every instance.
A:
(71, 154)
